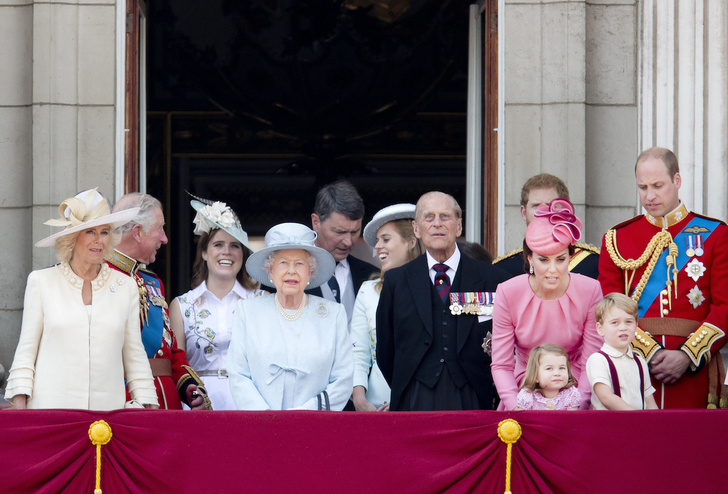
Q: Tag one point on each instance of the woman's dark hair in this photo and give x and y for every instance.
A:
(527, 252)
(199, 267)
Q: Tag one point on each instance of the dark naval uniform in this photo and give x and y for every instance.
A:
(675, 267)
(172, 374)
(584, 261)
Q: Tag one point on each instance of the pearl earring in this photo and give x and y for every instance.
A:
(531, 271)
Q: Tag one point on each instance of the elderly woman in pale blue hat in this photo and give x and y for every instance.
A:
(392, 236)
(79, 339)
(202, 318)
(290, 350)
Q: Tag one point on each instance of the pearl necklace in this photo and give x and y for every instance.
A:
(295, 315)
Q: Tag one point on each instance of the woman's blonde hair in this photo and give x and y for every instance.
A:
(530, 379)
(65, 244)
(405, 230)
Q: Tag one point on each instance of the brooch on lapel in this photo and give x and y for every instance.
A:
(472, 303)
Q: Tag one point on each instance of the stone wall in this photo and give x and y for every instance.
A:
(571, 107)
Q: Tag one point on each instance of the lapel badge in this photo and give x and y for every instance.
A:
(322, 310)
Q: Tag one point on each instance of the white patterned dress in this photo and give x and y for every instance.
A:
(208, 328)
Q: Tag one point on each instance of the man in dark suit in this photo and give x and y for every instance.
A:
(429, 352)
(336, 219)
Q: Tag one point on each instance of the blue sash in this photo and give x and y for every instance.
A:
(152, 333)
(656, 283)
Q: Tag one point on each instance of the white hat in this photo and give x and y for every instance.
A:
(384, 216)
(88, 209)
(217, 214)
(291, 236)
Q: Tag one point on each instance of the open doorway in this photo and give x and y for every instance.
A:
(260, 103)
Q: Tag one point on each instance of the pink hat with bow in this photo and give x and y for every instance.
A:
(553, 228)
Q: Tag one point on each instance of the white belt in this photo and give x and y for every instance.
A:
(220, 373)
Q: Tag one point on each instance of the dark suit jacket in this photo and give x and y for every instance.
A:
(360, 272)
(404, 325)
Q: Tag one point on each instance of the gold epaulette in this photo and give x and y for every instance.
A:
(506, 256)
(591, 248)
(645, 344)
(698, 343)
(123, 262)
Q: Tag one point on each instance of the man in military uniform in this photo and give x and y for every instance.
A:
(174, 379)
(673, 263)
(542, 189)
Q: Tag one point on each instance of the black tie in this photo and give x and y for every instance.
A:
(442, 281)
(334, 285)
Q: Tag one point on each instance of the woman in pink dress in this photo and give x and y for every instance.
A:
(549, 305)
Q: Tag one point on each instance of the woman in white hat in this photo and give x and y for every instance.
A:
(202, 318)
(290, 350)
(392, 236)
(80, 334)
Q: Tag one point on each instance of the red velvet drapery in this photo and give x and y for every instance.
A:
(459, 452)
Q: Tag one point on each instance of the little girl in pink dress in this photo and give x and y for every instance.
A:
(549, 383)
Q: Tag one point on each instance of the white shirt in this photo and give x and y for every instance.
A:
(597, 370)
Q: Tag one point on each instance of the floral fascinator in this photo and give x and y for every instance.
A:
(553, 228)
(217, 215)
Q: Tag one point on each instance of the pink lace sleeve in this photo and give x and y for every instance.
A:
(524, 400)
(572, 398)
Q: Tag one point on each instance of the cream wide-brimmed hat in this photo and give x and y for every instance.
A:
(291, 236)
(211, 215)
(87, 209)
(384, 216)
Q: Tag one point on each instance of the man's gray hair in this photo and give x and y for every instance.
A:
(147, 205)
(339, 197)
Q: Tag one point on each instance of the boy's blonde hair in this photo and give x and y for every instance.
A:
(530, 380)
(618, 300)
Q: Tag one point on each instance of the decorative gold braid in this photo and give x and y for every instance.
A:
(654, 249)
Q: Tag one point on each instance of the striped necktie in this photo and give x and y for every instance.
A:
(442, 281)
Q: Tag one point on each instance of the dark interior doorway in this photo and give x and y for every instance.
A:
(259, 103)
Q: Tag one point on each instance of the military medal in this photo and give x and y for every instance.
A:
(699, 245)
(690, 250)
(471, 303)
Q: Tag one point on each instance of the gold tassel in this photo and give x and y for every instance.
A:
(99, 433)
(509, 431)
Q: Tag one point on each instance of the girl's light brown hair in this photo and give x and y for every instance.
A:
(529, 381)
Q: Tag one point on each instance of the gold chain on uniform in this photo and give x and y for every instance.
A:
(654, 249)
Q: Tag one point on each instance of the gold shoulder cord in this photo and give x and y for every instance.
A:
(654, 249)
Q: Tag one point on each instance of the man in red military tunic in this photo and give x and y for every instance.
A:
(175, 380)
(674, 263)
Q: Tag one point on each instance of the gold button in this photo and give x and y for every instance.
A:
(695, 343)
(665, 311)
(704, 331)
(160, 352)
(665, 301)
(664, 292)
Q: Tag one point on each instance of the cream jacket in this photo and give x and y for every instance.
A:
(65, 359)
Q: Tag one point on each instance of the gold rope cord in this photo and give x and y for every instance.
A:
(654, 249)
(509, 431)
(99, 433)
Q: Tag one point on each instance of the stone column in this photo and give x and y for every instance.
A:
(684, 94)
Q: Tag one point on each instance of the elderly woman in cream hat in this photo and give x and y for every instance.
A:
(546, 305)
(392, 236)
(80, 335)
(202, 318)
(290, 350)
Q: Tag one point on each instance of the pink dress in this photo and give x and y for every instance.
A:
(566, 399)
(522, 320)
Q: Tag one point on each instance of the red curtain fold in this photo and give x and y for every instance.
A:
(456, 452)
